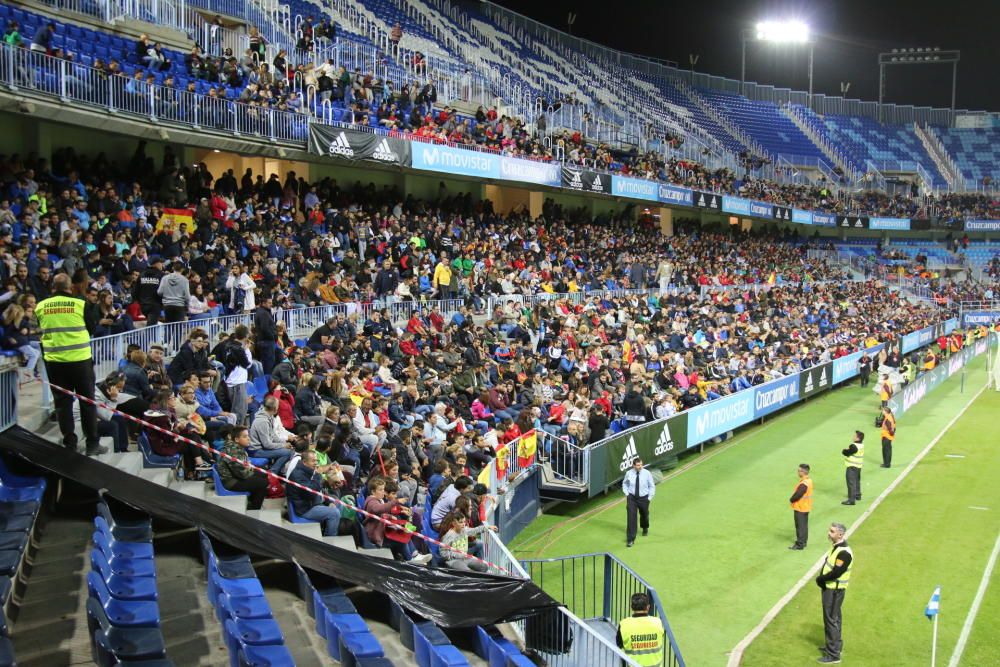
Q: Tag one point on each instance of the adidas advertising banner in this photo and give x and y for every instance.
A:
(781, 213)
(847, 366)
(674, 194)
(584, 180)
(654, 443)
(636, 188)
(736, 205)
(895, 224)
(816, 379)
(353, 145)
(529, 171)
(802, 217)
(824, 219)
(982, 225)
(984, 317)
(717, 417)
(707, 200)
(772, 396)
(851, 222)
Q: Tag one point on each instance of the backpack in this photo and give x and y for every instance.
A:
(239, 299)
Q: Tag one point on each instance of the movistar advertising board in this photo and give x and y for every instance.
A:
(458, 161)
(636, 188)
(717, 417)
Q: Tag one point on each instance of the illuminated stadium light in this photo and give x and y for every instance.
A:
(793, 32)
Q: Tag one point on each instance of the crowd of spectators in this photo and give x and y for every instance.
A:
(389, 412)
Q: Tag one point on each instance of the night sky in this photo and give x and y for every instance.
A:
(849, 34)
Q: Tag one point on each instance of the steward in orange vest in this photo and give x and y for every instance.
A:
(802, 503)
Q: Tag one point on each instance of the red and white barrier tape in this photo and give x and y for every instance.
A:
(285, 480)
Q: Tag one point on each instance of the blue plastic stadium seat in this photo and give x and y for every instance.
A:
(129, 567)
(338, 624)
(16, 523)
(151, 459)
(17, 541)
(446, 655)
(295, 518)
(265, 656)
(121, 586)
(355, 645)
(120, 643)
(223, 491)
(18, 507)
(14, 480)
(122, 613)
(7, 652)
(258, 631)
(235, 587)
(241, 607)
(10, 562)
(327, 603)
(125, 523)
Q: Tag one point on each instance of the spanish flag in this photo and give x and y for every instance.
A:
(628, 355)
(526, 449)
(173, 218)
(772, 279)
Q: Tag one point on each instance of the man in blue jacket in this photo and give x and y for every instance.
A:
(309, 505)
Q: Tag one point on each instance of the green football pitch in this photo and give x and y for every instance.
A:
(721, 524)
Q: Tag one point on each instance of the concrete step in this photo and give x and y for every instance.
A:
(341, 541)
(130, 462)
(236, 504)
(378, 553)
(271, 516)
(161, 476)
(193, 489)
(312, 529)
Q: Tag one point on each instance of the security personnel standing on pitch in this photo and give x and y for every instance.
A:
(639, 489)
(888, 435)
(833, 580)
(640, 635)
(66, 350)
(854, 458)
(802, 503)
(885, 390)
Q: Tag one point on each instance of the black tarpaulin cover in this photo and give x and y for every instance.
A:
(447, 597)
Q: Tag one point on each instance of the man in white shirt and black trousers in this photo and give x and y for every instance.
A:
(639, 489)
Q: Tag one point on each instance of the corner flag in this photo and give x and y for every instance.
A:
(933, 605)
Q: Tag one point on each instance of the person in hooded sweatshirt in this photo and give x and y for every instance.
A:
(175, 292)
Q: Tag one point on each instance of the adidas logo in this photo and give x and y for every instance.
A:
(341, 146)
(631, 451)
(575, 179)
(858, 223)
(809, 384)
(596, 185)
(664, 443)
(701, 200)
(823, 378)
(384, 152)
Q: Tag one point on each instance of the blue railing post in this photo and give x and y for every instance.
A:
(608, 571)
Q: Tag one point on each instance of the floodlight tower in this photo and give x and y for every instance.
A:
(777, 32)
(918, 56)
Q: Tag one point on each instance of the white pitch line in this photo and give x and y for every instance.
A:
(973, 507)
(984, 583)
(954, 456)
(736, 655)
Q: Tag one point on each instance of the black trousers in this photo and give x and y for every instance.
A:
(77, 376)
(853, 483)
(174, 313)
(152, 314)
(801, 528)
(865, 376)
(886, 451)
(640, 505)
(266, 351)
(833, 600)
(256, 484)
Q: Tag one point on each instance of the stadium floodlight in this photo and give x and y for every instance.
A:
(788, 32)
(791, 32)
(922, 55)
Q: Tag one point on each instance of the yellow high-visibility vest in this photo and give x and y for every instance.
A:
(831, 561)
(643, 639)
(64, 332)
(857, 459)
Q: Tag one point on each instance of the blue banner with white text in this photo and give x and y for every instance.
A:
(458, 161)
(772, 396)
(636, 188)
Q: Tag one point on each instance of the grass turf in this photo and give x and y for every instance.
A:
(717, 550)
(924, 534)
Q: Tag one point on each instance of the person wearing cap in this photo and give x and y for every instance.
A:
(68, 360)
(147, 291)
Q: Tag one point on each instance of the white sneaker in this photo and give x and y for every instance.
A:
(421, 559)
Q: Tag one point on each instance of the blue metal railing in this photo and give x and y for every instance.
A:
(9, 377)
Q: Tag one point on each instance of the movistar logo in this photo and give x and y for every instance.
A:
(631, 451)
(341, 146)
(384, 152)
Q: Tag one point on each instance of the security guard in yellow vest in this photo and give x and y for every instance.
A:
(854, 458)
(641, 636)
(68, 363)
(802, 503)
(833, 579)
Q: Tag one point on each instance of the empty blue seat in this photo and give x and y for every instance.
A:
(121, 586)
(338, 624)
(265, 656)
(16, 523)
(122, 613)
(447, 655)
(16, 540)
(18, 507)
(10, 562)
(426, 635)
(120, 643)
(7, 652)
(119, 548)
(258, 631)
(356, 645)
(241, 606)
(11, 479)
(125, 523)
(129, 567)
(325, 604)
(11, 493)
(237, 587)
